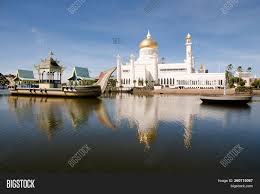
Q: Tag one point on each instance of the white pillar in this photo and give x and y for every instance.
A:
(155, 64)
(132, 63)
(119, 63)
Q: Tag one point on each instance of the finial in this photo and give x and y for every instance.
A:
(188, 36)
(51, 53)
(148, 34)
(132, 56)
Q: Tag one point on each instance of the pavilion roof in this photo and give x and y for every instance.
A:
(80, 73)
(49, 63)
(25, 75)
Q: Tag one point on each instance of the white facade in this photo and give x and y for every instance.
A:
(247, 76)
(148, 69)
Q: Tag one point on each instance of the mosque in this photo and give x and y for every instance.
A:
(150, 70)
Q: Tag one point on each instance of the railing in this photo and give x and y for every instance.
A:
(26, 86)
(51, 81)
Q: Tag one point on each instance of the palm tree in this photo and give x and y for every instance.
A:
(230, 67)
(229, 74)
(239, 70)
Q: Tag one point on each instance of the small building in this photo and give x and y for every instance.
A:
(80, 76)
(25, 78)
(245, 75)
(50, 72)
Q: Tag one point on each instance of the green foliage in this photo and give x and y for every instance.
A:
(231, 80)
(256, 83)
(239, 69)
(112, 82)
(86, 82)
(230, 67)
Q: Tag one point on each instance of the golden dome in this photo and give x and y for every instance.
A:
(148, 42)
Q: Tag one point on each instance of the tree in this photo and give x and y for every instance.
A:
(256, 83)
(229, 76)
(239, 69)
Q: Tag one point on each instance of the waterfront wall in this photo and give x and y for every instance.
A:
(194, 91)
(256, 92)
(144, 91)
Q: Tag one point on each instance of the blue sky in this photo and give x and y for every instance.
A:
(30, 28)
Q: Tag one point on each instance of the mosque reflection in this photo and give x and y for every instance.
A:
(181, 112)
(144, 113)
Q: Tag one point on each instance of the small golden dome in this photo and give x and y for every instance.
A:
(148, 42)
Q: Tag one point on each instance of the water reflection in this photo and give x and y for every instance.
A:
(146, 113)
(50, 113)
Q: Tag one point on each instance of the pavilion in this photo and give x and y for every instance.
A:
(25, 78)
(50, 72)
(80, 76)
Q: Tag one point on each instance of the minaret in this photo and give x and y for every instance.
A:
(119, 63)
(189, 57)
(132, 61)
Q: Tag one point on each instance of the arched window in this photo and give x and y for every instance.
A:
(171, 81)
(167, 81)
(164, 81)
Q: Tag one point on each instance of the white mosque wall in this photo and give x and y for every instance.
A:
(176, 75)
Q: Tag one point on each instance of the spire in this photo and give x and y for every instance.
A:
(148, 35)
(50, 54)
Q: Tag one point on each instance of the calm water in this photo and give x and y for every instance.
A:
(127, 133)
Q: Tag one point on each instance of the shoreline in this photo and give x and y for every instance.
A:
(193, 92)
